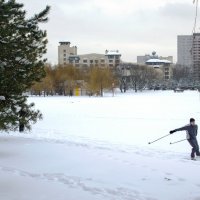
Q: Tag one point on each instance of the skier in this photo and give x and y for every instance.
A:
(191, 131)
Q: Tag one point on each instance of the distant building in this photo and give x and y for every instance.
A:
(65, 51)
(142, 59)
(68, 55)
(163, 65)
(113, 58)
(184, 48)
(196, 56)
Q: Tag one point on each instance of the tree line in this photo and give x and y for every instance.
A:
(63, 79)
(138, 77)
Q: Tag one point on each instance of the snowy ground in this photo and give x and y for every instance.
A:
(93, 148)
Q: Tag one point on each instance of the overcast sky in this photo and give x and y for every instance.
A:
(134, 27)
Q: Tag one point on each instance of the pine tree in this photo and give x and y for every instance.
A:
(22, 46)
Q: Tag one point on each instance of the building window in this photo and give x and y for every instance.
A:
(91, 61)
(102, 61)
(64, 55)
(64, 51)
(64, 59)
(110, 65)
(110, 61)
(76, 61)
(166, 70)
(96, 61)
(110, 57)
(84, 61)
(85, 66)
(116, 57)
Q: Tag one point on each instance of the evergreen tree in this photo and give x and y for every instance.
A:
(22, 45)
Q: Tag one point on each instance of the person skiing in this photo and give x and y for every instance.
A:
(191, 131)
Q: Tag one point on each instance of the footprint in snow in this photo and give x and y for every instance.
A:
(167, 179)
(169, 174)
(181, 179)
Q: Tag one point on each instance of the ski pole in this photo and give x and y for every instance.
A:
(159, 138)
(178, 141)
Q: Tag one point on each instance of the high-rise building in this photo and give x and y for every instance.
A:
(184, 50)
(196, 56)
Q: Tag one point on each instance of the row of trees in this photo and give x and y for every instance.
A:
(62, 80)
(140, 77)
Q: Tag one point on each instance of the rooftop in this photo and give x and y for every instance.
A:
(112, 52)
(64, 43)
(158, 61)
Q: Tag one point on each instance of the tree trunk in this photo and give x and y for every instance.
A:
(101, 91)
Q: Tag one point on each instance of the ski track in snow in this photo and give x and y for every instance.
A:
(118, 155)
(77, 182)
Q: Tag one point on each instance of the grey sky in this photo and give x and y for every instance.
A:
(134, 27)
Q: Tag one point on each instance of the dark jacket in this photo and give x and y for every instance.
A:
(191, 131)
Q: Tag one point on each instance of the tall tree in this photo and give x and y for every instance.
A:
(183, 76)
(22, 45)
(99, 79)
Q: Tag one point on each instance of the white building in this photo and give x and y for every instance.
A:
(184, 48)
(142, 59)
(163, 65)
(68, 55)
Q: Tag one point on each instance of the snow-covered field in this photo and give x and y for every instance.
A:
(93, 148)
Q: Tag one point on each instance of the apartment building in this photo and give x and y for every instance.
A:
(184, 50)
(196, 56)
(68, 55)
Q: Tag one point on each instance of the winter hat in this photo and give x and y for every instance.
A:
(192, 120)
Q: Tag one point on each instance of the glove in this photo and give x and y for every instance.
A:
(173, 131)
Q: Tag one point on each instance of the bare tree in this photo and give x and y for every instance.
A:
(142, 76)
(183, 76)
